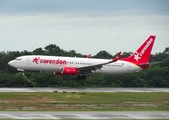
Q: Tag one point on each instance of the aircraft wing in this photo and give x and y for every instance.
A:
(88, 69)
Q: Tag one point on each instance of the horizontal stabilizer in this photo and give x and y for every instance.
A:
(153, 63)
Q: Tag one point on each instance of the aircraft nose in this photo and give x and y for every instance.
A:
(11, 63)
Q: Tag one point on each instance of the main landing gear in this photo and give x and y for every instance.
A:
(81, 77)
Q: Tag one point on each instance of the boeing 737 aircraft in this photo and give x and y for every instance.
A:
(139, 60)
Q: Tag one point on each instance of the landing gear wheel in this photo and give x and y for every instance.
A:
(84, 77)
(79, 77)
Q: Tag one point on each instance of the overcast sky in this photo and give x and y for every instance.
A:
(86, 26)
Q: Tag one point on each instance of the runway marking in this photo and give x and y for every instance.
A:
(84, 89)
(84, 115)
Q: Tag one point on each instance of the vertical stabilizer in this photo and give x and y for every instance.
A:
(142, 54)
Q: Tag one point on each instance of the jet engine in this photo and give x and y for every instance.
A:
(68, 71)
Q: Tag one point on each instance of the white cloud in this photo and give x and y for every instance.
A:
(85, 34)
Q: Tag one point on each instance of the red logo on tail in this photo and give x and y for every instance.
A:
(142, 54)
(138, 55)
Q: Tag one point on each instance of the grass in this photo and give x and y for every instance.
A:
(91, 101)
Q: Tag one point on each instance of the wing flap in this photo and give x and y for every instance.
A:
(98, 66)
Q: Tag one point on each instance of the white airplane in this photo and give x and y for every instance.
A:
(139, 60)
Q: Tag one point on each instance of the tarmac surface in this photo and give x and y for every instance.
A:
(84, 89)
(84, 115)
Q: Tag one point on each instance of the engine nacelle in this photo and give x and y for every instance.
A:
(68, 71)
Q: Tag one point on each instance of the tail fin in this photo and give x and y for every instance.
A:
(142, 54)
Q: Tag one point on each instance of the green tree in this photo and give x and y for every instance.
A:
(104, 55)
(155, 76)
(38, 51)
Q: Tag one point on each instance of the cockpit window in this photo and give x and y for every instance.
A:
(18, 59)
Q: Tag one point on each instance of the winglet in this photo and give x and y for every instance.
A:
(116, 57)
(89, 56)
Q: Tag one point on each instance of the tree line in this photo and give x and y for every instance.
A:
(155, 76)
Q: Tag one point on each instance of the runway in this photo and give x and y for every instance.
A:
(84, 115)
(84, 89)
